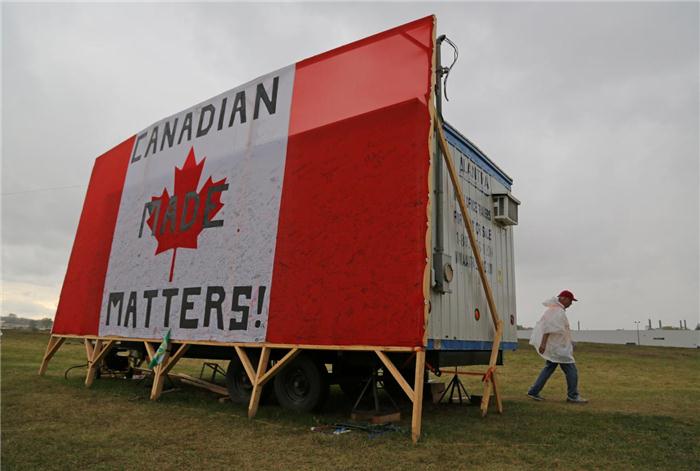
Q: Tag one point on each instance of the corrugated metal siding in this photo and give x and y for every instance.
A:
(453, 314)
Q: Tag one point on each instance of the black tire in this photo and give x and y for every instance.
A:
(239, 386)
(302, 385)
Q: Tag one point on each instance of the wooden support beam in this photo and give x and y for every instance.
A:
(247, 366)
(51, 349)
(396, 374)
(257, 387)
(161, 370)
(92, 367)
(384, 348)
(485, 398)
(497, 394)
(175, 358)
(158, 380)
(493, 359)
(158, 376)
(497, 324)
(99, 350)
(490, 381)
(150, 351)
(468, 223)
(89, 349)
(278, 366)
(416, 418)
(99, 356)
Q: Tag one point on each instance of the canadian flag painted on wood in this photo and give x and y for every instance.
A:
(292, 209)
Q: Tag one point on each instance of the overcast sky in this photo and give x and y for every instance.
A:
(592, 109)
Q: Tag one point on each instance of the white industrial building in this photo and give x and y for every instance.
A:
(649, 337)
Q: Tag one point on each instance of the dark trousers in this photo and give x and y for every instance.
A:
(569, 370)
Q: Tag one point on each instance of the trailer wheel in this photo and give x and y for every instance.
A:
(302, 385)
(239, 386)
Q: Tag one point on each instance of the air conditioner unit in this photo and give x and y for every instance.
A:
(505, 209)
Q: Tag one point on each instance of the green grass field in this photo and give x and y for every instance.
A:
(644, 414)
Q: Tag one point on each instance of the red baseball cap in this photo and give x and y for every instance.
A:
(568, 294)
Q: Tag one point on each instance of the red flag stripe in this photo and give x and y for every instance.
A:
(78, 311)
(350, 252)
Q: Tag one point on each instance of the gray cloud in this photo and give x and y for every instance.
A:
(591, 108)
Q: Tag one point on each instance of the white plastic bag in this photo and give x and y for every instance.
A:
(559, 348)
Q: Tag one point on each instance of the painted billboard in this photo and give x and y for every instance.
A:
(292, 209)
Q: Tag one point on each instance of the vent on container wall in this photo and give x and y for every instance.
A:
(505, 209)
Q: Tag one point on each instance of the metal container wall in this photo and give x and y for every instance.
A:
(459, 318)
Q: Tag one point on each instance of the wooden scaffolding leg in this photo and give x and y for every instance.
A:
(51, 349)
(257, 387)
(415, 394)
(162, 370)
(490, 376)
(158, 377)
(263, 375)
(247, 366)
(497, 394)
(498, 326)
(150, 351)
(396, 374)
(98, 352)
(490, 385)
(486, 397)
(416, 419)
(88, 349)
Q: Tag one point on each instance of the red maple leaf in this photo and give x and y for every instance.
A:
(181, 217)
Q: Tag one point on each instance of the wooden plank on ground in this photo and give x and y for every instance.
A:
(200, 383)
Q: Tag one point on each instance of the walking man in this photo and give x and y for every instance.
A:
(551, 337)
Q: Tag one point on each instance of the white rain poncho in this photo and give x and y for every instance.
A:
(560, 348)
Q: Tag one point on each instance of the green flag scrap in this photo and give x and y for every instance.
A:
(160, 353)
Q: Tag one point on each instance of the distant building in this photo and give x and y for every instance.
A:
(13, 321)
(651, 337)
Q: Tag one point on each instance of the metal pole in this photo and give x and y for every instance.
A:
(439, 255)
(637, 323)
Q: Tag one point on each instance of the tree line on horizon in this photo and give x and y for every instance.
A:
(13, 321)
